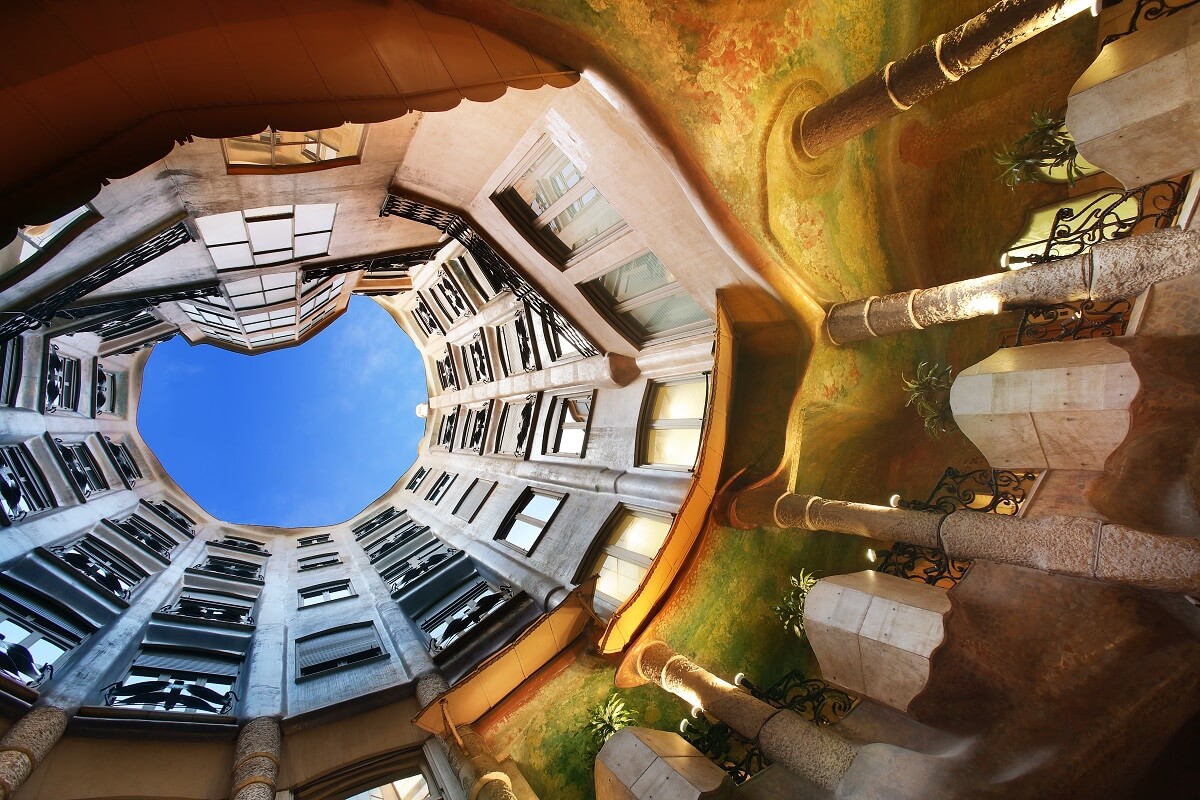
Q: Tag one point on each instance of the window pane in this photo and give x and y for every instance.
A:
(635, 278)
(619, 579)
(540, 507)
(521, 534)
(13, 632)
(45, 652)
(547, 179)
(675, 447)
(667, 314)
(641, 534)
(570, 440)
(584, 220)
(683, 400)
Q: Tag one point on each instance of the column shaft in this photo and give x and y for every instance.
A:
(804, 747)
(256, 760)
(931, 67)
(20, 424)
(26, 744)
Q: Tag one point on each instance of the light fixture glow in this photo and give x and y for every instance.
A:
(871, 554)
(894, 500)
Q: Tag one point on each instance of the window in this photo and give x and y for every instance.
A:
(394, 541)
(421, 562)
(106, 391)
(477, 493)
(27, 652)
(36, 243)
(476, 363)
(516, 422)
(212, 606)
(445, 431)
(62, 381)
(294, 151)
(179, 681)
(558, 345)
(325, 593)
(440, 487)
(309, 541)
(567, 423)
(10, 371)
(336, 648)
(122, 458)
(82, 467)
(474, 428)
(445, 372)
(242, 543)
(672, 423)
(417, 479)
(464, 613)
(365, 529)
(231, 568)
(644, 301)
(173, 515)
(317, 561)
(23, 488)
(102, 563)
(529, 518)
(146, 535)
(271, 235)
(517, 353)
(450, 297)
(426, 319)
(633, 542)
(552, 197)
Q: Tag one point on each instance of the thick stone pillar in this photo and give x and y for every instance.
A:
(1065, 545)
(480, 774)
(20, 425)
(937, 64)
(256, 760)
(1110, 271)
(803, 747)
(26, 743)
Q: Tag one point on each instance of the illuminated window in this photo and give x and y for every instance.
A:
(553, 198)
(672, 423)
(642, 298)
(568, 424)
(36, 243)
(529, 519)
(294, 151)
(270, 235)
(632, 543)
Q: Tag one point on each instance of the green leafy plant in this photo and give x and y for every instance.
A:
(791, 607)
(606, 719)
(1048, 145)
(930, 393)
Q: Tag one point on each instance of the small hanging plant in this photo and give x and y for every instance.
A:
(791, 607)
(1048, 145)
(930, 393)
(605, 719)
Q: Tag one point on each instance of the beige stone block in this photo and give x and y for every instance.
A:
(972, 394)
(891, 675)
(1006, 440)
(1080, 439)
(642, 763)
(832, 616)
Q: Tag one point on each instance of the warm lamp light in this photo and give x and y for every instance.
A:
(894, 501)
(871, 554)
(737, 679)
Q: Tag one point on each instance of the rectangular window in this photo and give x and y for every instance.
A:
(146, 535)
(23, 488)
(62, 382)
(317, 561)
(450, 297)
(167, 680)
(44, 648)
(517, 351)
(643, 300)
(440, 487)
(474, 428)
(82, 467)
(417, 479)
(427, 321)
(476, 362)
(105, 391)
(394, 541)
(557, 203)
(259, 237)
(103, 564)
(672, 422)
(633, 541)
(337, 648)
(568, 424)
(365, 529)
(122, 458)
(445, 370)
(445, 429)
(231, 568)
(294, 151)
(477, 493)
(529, 518)
(465, 612)
(515, 426)
(309, 541)
(10, 371)
(242, 543)
(214, 606)
(325, 593)
(176, 517)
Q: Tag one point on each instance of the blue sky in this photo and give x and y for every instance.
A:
(304, 436)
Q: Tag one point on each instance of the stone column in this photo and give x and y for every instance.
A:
(934, 66)
(1065, 545)
(20, 424)
(1110, 271)
(803, 747)
(26, 743)
(256, 760)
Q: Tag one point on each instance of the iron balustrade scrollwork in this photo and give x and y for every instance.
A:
(1063, 322)
(1148, 10)
(101, 573)
(924, 564)
(740, 758)
(170, 694)
(992, 491)
(418, 568)
(141, 303)
(1107, 217)
(43, 311)
(208, 610)
(811, 698)
(396, 263)
(20, 665)
(497, 270)
(470, 613)
(231, 568)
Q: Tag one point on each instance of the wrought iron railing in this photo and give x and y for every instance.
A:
(209, 610)
(1105, 218)
(992, 491)
(740, 758)
(1148, 10)
(923, 564)
(811, 698)
(232, 569)
(170, 695)
(18, 663)
(87, 564)
(1063, 322)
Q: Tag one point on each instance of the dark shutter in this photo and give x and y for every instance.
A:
(336, 645)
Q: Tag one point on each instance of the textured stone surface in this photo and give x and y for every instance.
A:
(1055, 544)
(256, 759)
(27, 742)
(859, 519)
(1128, 267)
(1169, 563)
(643, 763)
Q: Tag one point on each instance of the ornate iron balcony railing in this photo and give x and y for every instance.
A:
(170, 695)
(992, 491)
(463, 619)
(422, 567)
(811, 698)
(924, 564)
(95, 569)
(740, 758)
(1062, 322)
(231, 569)
(209, 610)
(1148, 10)
(237, 544)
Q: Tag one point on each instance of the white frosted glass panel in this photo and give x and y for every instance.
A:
(313, 244)
(315, 217)
(221, 228)
(273, 258)
(279, 280)
(275, 234)
(231, 256)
